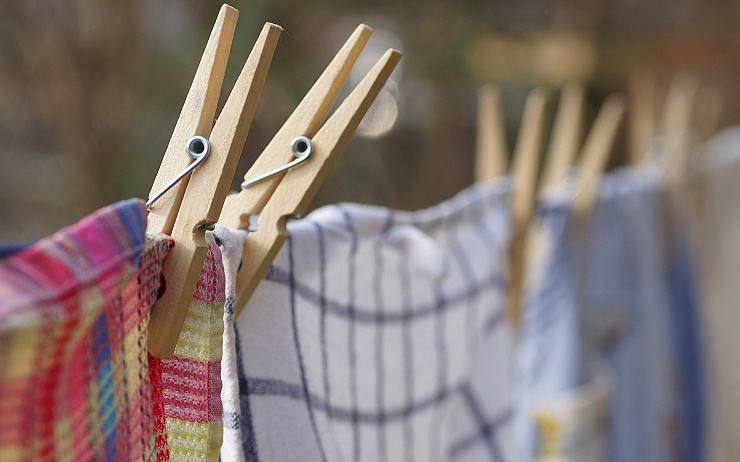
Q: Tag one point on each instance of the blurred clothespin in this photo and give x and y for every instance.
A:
(491, 159)
(642, 114)
(595, 154)
(563, 154)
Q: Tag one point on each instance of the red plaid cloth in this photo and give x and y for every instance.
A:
(187, 388)
(74, 310)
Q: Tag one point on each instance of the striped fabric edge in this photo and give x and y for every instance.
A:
(88, 253)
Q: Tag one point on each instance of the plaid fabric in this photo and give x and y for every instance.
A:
(379, 335)
(186, 389)
(73, 315)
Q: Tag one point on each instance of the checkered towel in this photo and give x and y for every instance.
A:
(186, 389)
(74, 309)
(377, 335)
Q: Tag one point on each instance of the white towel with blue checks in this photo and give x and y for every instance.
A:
(376, 335)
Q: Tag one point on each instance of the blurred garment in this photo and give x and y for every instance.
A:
(380, 335)
(74, 310)
(558, 388)
(717, 190)
(76, 380)
(639, 297)
(608, 287)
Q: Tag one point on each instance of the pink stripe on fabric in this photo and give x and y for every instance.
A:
(211, 286)
(192, 390)
(88, 252)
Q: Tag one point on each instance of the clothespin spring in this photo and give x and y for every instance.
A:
(197, 147)
(301, 147)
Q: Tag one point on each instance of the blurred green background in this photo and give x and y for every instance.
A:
(90, 90)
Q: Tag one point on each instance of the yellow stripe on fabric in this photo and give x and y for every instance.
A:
(201, 338)
(10, 452)
(19, 355)
(93, 414)
(134, 356)
(190, 441)
(63, 440)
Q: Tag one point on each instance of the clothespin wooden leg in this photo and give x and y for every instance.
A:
(491, 152)
(566, 136)
(524, 176)
(677, 118)
(596, 152)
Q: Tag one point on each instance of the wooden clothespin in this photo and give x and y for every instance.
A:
(563, 152)
(525, 168)
(566, 136)
(189, 207)
(676, 126)
(595, 155)
(491, 163)
(289, 193)
(642, 114)
(491, 155)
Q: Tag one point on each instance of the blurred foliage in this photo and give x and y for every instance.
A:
(90, 90)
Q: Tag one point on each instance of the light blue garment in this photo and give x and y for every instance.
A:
(619, 287)
(639, 297)
(549, 356)
(625, 302)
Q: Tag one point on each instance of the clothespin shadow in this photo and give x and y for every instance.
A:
(289, 192)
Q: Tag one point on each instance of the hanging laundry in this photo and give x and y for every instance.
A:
(378, 335)
(620, 269)
(563, 394)
(74, 310)
(186, 389)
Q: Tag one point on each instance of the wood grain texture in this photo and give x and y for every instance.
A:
(491, 151)
(299, 186)
(205, 195)
(196, 118)
(305, 120)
